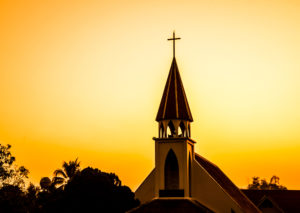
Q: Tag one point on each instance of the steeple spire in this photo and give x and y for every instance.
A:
(174, 112)
(174, 104)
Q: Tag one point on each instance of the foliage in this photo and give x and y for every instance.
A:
(61, 176)
(87, 190)
(262, 184)
(94, 190)
(70, 190)
(12, 199)
(15, 199)
(46, 184)
(10, 174)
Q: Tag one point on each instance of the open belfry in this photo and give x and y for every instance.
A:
(182, 180)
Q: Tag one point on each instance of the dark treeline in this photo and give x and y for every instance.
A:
(263, 184)
(70, 190)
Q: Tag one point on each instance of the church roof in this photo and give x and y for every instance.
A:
(174, 205)
(228, 186)
(174, 104)
(287, 200)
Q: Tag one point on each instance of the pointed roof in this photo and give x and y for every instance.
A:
(174, 104)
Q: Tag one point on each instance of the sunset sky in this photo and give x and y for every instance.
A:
(85, 78)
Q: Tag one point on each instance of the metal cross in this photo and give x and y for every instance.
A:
(173, 39)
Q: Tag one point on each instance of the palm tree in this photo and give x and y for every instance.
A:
(62, 176)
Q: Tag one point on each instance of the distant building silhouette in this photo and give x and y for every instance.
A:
(182, 180)
(275, 201)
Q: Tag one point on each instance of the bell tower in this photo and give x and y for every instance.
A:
(174, 148)
(182, 179)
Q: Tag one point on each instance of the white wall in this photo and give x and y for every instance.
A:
(145, 191)
(209, 193)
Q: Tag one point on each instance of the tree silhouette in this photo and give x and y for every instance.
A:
(94, 191)
(10, 174)
(12, 199)
(46, 184)
(61, 176)
(87, 190)
(262, 184)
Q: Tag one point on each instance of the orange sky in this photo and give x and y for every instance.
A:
(84, 79)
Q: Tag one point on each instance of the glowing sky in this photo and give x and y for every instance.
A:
(85, 78)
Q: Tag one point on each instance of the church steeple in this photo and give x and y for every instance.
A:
(174, 104)
(174, 148)
(174, 114)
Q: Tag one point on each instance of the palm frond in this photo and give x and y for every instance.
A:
(58, 172)
(71, 168)
(57, 181)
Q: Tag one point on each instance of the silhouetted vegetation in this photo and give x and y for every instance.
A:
(67, 172)
(12, 183)
(262, 184)
(10, 173)
(70, 190)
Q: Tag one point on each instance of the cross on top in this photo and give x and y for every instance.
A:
(173, 39)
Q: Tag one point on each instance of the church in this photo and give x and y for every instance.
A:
(182, 180)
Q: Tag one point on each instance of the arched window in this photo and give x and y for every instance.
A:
(171, 171)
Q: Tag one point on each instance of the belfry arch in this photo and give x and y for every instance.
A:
(161, 130)
(174, 129)
(171, 130)
(181, 130)
(171, 171)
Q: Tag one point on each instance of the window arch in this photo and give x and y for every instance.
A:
(171, 171)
